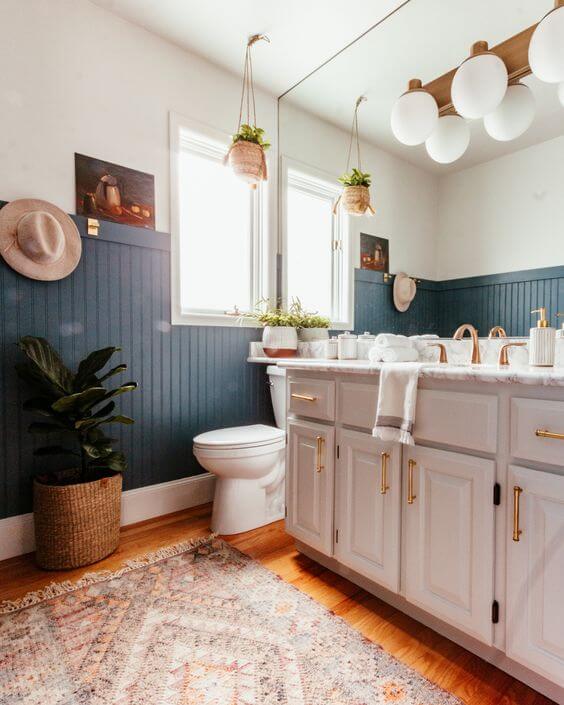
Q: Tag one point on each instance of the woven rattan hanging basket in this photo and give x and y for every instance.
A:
(248, 161)
(78, 524)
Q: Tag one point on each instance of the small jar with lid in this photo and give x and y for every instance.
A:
(347, 346)
(365, 342)
(331, 348)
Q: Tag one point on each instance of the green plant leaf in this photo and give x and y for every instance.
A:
(81, 401)
(47, 361)
(39, 405)
(91, 364)
(97, 450)
(114, 371)
(29, 373)
(114, 461)
(54, 450)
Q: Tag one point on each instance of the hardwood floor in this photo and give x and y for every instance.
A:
(436, 658)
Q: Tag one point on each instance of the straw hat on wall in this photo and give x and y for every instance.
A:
(404, 291)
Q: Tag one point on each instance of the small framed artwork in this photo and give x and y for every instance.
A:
(374, 253)
(112, 192)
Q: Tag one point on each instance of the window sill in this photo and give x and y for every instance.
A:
(210, 319)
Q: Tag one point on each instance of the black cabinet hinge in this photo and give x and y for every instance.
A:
(285, 511)
(497, 494)
(337, 536)
(338, 452)
(495, 612)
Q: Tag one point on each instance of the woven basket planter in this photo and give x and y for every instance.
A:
(356, 200)
(248, 161)
(76, 525)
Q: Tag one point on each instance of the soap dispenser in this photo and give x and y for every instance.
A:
(542, 341)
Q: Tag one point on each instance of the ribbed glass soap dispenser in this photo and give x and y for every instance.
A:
(542, 341)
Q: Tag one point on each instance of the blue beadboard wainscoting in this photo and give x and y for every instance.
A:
(191, 379)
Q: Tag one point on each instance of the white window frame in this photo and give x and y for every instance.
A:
(320, 183)
(259, 240)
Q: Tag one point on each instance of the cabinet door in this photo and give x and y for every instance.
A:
(449, 520)
(367, 501)
(535, 571)
(309, 484)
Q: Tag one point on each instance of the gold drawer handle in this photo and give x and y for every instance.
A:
(516, 496)
(318, 466)
(410, 468)
(384, 487)
(303, 397)
(542, 433)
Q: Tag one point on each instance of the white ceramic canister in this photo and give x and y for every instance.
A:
(365, 342)
(280, 341)
(306, 335)
(347, 346)
(331, 349)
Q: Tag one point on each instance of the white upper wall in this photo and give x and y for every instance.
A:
(77, 78)
(405, 197)
(504, 215)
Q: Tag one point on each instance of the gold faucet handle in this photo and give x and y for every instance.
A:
(503, 358)
(442, 351)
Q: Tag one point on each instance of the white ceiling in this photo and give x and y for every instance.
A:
(303, 33)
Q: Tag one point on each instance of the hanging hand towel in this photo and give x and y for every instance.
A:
(392, 354)
(397, 397)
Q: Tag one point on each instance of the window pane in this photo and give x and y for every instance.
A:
(215, 236)
(309, 233)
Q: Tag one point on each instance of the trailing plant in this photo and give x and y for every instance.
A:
(307, 319)
(75, 406)
(251, 133)
(355, 178)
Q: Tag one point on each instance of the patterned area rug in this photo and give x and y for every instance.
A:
(193, 625)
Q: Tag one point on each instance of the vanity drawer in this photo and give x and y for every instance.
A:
(357, 404)
(457, 419)
(531, 417)
(312, 397)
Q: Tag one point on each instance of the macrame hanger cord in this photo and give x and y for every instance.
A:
(248, 90)
(354, 135)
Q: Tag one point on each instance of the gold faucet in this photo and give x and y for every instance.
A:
(442, 351)
(459, 334)
(503, 358)
(497, 332)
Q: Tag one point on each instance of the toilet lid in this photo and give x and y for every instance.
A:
(240, 437)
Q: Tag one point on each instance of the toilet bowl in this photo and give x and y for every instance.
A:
(249, 464)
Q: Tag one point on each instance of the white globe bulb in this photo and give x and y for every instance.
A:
(450, 139)
(561, 93)
(513, 116)
(546, 49)
(479, 85)
(414, 117)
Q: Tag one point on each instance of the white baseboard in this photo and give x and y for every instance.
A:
(17, 535)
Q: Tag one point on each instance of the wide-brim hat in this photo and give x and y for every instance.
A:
(38, 239)
(403, 291)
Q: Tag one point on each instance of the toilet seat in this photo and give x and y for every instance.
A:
(240, 438)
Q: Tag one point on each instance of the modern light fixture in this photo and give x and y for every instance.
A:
(546, 49)
(414, 115)
(450, 139)
(513, 116)
(479, 83)
(561, 93)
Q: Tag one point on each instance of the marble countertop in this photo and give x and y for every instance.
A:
(539, 376)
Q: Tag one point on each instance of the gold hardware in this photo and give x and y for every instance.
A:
(442, 348)
(410, 468)
(497, 332)
(459, 334)
(93, 226)
(318, 466)
(384, 487)
(541, 433)
(388, 277)
(303, 397)
(542, 322)
(516, 495)
(503, 358)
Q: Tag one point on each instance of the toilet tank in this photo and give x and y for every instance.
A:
(277, 382)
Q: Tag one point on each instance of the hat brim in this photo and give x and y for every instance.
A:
(401, 304)
(10, 216)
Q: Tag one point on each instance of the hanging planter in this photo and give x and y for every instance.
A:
(246, 154)
(355, 198)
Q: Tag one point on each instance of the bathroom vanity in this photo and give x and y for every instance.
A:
(465, 530)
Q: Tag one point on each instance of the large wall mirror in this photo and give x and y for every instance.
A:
(484, 233)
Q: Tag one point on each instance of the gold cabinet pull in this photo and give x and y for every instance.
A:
(384, 487)
(543, 433)
(318, 465)
(410, 468)
(303, 397)
(516, 496)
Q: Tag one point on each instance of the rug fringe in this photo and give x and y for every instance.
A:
(56, 589)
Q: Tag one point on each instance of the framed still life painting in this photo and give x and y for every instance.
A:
(111, 192)
(374, 253)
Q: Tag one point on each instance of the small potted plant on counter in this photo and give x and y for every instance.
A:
(76, 510)
(356, 194)
(311, 326)
(279, 337)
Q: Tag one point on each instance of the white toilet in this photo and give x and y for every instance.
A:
(249, 463)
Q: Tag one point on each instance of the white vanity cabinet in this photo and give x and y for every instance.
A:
(535, 571)
(449, 537)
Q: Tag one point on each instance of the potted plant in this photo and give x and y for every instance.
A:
(246, 156)
(311, 326)
(76, 510)
(356, 194)
(280, 337)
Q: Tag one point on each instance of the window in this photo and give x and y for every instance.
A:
(217, 254)
(315, 245)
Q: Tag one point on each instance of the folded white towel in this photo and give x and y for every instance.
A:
(421, 341)
(388, 340)
(392, 354)
(397, 396)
